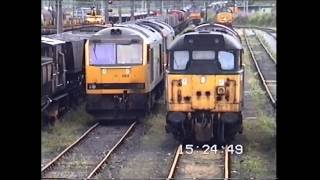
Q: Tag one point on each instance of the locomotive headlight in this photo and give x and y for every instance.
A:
(203, 79)
(92, 86)
(184, 82)
(221, 90)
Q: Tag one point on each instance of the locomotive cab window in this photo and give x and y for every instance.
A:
(226, 60)
(129, 54)
(103, 54)
(180, 60)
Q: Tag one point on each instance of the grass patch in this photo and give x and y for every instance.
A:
(56, 138)
(259, 158)
(257, 19)
(259, 138)
(254, 167)
(155, 123)
(257, 94)
(260, 133)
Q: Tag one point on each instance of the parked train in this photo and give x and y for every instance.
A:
(88, 16)
(48, 17)
(94, 17)
(125, 69)
(120, 80)
(62, 67)
(176, 18)
(204, 85)
(224, 16)
(195, 14)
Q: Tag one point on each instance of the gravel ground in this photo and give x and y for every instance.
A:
(56, 138)
(200, 165)
(147, 153)
(85, 156)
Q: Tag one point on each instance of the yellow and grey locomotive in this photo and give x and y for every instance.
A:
(124, 71)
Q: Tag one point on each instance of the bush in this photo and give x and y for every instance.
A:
(258, 19)
(241, 20)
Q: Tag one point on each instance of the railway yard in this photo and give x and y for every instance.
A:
(78, 146)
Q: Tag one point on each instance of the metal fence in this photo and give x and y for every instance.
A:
(77, 8)
(74, 11)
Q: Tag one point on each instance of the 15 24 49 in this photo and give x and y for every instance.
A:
(207, 149)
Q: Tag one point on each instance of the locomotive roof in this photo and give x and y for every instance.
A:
(160, 22)
(70, 36)
(213, 25)
(126, 32)
(168, 26)
(201, 40)
(177, 10)
(216, 26)
(152, 33)
(154, 25)
(51, 41)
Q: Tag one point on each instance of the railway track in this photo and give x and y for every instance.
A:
(266, 48)
(199, 165)
(85, 157)
(264, 63)
(84, 27)
(270, 31)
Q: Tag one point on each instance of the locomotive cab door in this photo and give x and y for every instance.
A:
(243, 66)
(161, 59)
(151, 61)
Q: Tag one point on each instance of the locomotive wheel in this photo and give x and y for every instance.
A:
(52, 113)
(64, 106)
(188, 136)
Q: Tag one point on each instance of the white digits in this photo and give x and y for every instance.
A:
(189, 147)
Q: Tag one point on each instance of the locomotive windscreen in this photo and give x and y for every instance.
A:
(105, 53)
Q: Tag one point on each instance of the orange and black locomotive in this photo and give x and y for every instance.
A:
(204, 85)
